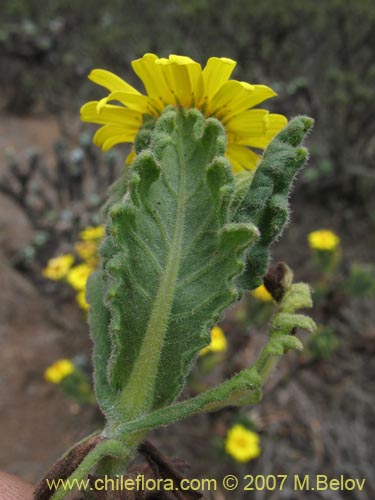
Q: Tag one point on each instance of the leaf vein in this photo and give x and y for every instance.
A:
(160, 225)
(170, 189)
(201, 271)
(147, 250)
(201, 232)
(139, 287)
(191, 312)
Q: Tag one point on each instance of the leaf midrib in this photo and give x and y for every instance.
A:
(138, 394)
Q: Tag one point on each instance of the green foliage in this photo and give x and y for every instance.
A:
(179, 231)
(246, 386)
(265, 203)
(168, 262)
(176, 240)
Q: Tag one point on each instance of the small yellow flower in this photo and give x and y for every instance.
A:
(92, 233)
(78, 275)
(86, 249)
(180, 81)
(261, 293)
(218, 342)
(58, 371)
(323, 239)
(81, 300)
(58, 267)
(242, 444)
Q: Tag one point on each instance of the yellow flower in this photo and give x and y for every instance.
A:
(218, 342)
(242, 444)
(59, 370)
(78, 275)
(58, 267)
(92, 233)
(323, 239)
(86, 249)
(180, 81)
(261, 293)
(81, 300)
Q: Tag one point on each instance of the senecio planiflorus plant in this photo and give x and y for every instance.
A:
(188, 228)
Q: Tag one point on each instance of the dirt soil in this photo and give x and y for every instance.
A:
(315, 418)
(37, 422)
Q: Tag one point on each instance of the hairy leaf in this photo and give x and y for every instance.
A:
(169, 261)
(266, 201)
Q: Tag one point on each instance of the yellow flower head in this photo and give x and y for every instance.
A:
(323, 239)
(81, 300)
(180, 81)
(58, 371)
(58, 267)
(86, 249)
(92, 233)
(78, 275)
(242, 444)
(218, 342)
(261, 293)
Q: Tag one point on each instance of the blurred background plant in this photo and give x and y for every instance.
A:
(336, 288)
(75, 268)
(60, 197)
(311, 52)
(72, 380)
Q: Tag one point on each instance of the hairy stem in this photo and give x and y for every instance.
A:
(239, 387)
(106, 448)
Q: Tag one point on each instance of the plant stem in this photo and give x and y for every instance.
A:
(106, 448)
(242, 386)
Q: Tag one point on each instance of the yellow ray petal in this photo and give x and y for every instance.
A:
(111, 81)
(252, 123)
(274, 123)
(116, 139)
(234, 97)
(194, 71)
(140, 103)
(89, 113)
(177, 80)
(184, 78)
(226, 98)
(108, 131)
(236, 167)
(153, 79)
(216, 72)
(110, 114)
(242, 156)
(251, 96)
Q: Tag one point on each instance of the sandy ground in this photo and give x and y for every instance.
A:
(33, 334)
